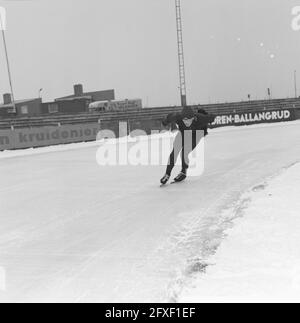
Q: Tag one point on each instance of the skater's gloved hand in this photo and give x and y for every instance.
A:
(165, 123)
(212, 118)
(171, 118)
(167, 127)
(205, 119)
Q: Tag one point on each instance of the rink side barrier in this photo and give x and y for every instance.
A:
(40, 136)
(47, 136)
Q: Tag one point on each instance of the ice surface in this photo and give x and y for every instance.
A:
(73, 231)
(259, 261)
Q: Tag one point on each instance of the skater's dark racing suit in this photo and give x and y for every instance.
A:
(192, 128)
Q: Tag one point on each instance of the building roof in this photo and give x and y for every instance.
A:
(106, 95)
(10, 105)
(72, 98)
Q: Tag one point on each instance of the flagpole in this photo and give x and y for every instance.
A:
(295, 84)
(8, 65)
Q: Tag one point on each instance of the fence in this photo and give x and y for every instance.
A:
(40, 131)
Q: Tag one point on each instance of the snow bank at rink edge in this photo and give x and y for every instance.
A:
(166, 134)
(259, 260)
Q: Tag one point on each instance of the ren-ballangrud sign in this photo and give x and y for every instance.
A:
(254, 117)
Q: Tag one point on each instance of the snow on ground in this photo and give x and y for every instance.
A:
(73, 231)
(259, 260)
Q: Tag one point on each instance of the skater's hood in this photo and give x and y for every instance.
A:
(187, 113)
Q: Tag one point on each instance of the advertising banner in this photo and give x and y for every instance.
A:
(47, 136)
(238, 119)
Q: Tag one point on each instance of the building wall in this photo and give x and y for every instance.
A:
(76, 106)
(108, 95)
(4, 112)
(45, 108)
(66, 107)
(33, 107)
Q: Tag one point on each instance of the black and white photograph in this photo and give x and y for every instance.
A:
(150, 154)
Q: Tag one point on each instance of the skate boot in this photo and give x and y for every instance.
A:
(165, 179)
(181, 177)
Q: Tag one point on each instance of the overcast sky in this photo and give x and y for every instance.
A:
(232, 48)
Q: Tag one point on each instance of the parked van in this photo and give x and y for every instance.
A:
(125, 105)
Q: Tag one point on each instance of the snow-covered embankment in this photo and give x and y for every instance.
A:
(259, 261)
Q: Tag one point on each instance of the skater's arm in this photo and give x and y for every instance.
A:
(202, 111)
(205, 118)
(171, 118)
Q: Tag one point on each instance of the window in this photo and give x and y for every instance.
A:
(11, 110)
(24, 109)
(53, 108)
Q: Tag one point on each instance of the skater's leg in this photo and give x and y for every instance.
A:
(171, 163)
(185, 163)
(175, 153)
(173, 158)
(185, 160)
(187, 147)
(191, 141)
